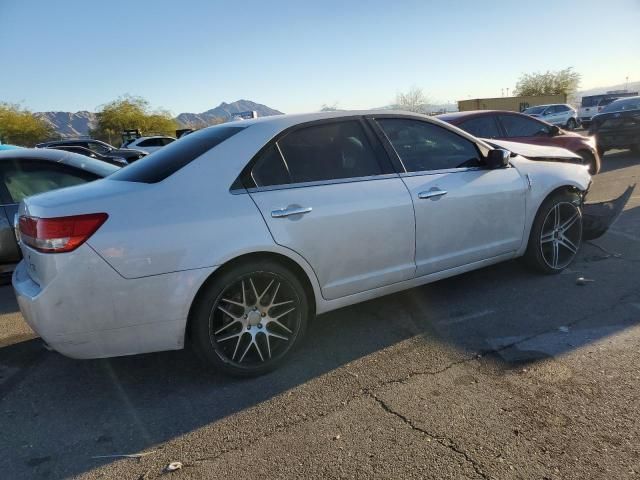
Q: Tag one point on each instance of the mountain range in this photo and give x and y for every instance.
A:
(78, 124)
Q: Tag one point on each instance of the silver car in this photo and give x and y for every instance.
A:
(559, 114)
(235, 236)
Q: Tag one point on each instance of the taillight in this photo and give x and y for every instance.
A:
(61, 234)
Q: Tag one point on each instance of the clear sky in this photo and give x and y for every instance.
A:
(188, 56)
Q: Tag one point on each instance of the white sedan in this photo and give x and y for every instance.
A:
(233, 237)
(149, 144)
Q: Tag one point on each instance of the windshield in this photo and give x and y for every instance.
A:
(534, 110)
(622, 105)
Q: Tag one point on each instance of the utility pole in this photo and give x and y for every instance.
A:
(626, 85)
(502, 92)
(507, 91)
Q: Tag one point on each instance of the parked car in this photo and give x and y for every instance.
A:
(560, 114)
(517, 127)
(591, 105)
(114, 160)
(28, 171)
(99, 147)
(618, 125)
(259, 225)
(149, 144)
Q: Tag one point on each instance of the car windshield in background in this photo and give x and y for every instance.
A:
(168, 160)
(534, 110)
(622, 105)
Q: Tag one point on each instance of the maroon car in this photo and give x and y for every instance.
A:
(517, 127)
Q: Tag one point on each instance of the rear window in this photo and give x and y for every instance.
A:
(165, 162)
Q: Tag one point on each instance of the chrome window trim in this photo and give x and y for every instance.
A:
(444, 170)
(320, 183)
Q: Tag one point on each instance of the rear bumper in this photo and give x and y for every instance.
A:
(87, 310)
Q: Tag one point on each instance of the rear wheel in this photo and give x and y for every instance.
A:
(250, 318)
(571, 124)
(556, 234)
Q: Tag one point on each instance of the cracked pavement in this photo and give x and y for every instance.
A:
(499, 373)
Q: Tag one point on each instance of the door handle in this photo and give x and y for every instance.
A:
(436, 192)
(287, 212)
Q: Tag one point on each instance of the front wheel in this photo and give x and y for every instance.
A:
(571, 124)
(556, 234)
(249, 320)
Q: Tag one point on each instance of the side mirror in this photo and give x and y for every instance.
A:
(497, 158)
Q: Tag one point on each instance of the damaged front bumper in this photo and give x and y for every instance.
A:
(598, 217)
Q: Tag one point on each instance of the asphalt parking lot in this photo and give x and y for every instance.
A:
(499, 373)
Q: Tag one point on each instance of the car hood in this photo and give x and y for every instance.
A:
(535, 152)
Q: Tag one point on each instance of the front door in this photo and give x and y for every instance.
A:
(327, 192)
(465, 213)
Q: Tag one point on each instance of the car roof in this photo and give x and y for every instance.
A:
(455, 116)
(75, 160)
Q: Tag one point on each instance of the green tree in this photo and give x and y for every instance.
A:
(549, 83)
(20, 127)
(128, 113)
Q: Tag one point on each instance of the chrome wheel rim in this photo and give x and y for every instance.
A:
(255, 320)
(561, 235)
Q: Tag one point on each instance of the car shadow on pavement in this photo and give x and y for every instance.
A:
(617, 159)
(59, 413)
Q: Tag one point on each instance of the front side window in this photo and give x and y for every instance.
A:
(423, 146)
(482, 127)
(30, 177)
(517, 126)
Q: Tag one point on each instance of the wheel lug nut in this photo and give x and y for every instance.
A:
(259, 325)
(263, 314)
(244, 316)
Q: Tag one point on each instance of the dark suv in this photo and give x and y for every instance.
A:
(102, 148)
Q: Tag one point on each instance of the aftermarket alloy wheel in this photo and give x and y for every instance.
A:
(556, 234)
(249, 320)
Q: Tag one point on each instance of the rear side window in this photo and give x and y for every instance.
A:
(482, 127)
(168, 160)
(29, 177)
(329, 151)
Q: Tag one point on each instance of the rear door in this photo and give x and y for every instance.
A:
(465, 213)
(328, 192)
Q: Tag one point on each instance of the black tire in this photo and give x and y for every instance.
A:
(537, 254)
(207, 319)
(601, 151)
(589, 159)
(571, 124)
(635, 148)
